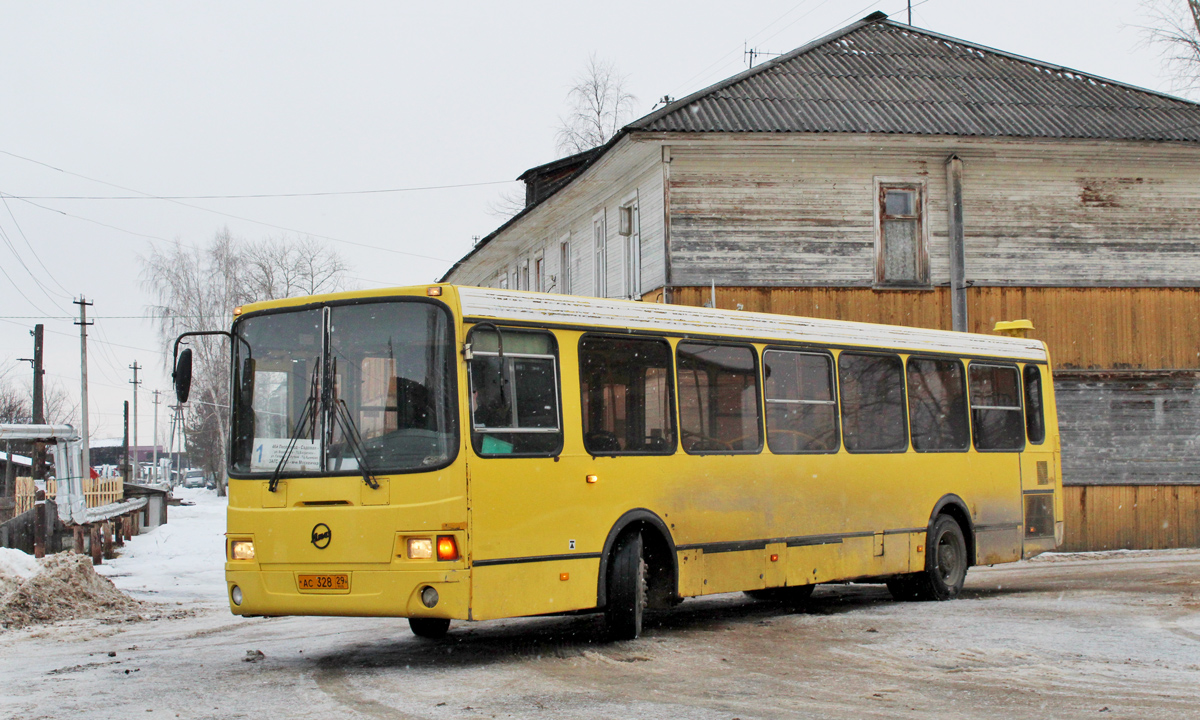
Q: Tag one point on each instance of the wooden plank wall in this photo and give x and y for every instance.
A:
(1087, 328)
(1131, 517)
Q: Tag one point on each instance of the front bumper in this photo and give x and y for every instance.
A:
(273, 590)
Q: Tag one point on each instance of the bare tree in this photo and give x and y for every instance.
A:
(508, 203)
(282, 267)
(198, 288)
(16, 405)
(600, 106)
(1176, 31)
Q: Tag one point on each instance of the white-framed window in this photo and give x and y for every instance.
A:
(901, 236)
(564, 265)
(502, 283)
(539, 272)
(630, 231)
(600, 259)
(523, 276)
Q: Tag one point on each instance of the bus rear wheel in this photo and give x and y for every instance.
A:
(945, 562)
(431, 628)
(626, 601)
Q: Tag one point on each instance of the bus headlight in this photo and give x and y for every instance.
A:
(420, 548)
(429, 597)
(241, 550)
(236, 595)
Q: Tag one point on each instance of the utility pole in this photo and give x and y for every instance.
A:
(156, 394)
(82, 322)
(135, 382)
(125, 469)
(39, 412)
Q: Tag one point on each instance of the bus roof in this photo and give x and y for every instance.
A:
(577, 311)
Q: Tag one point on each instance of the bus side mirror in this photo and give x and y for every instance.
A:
(182, 375)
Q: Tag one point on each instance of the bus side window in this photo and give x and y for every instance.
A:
(801, 410)
(937, 404)
(872, 392)
(625, 389)
(996, 407)
(1035, 420)
(718, 398)
(514, 398)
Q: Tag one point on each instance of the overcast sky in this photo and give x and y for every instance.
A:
(237, 98)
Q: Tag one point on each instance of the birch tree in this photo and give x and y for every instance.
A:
(600, 106)
(1175, 30)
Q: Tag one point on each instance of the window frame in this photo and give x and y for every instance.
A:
(966, 396)
(470, 424)
(564, 264)
(833, 385)
(921, 187)
(633, 245)
(1041, 402)
(1020, 409)
(599, 255)
(758, 379)
(904, 400)
(672, 400)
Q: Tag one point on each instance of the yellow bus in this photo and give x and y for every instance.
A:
(443, 452)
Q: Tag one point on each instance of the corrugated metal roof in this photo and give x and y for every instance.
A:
(877, 76)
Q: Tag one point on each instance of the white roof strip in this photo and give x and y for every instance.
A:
(542, 308)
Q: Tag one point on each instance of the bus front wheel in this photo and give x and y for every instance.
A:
(626, 602)
(431, 628)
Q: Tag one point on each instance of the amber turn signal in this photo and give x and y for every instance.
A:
(564, 576)
(592, 479)
(447, 549)
(433, 291)
(774, 558)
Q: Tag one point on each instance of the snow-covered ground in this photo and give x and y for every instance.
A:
(182, 561)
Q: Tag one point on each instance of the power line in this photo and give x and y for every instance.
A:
(29, 245)
(254, 196)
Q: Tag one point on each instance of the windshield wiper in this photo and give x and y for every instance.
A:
(307, 419)
(343, 419)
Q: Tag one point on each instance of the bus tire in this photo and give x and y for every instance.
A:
(945, 561)
(626, 589)
(429, 628)
(790, 596)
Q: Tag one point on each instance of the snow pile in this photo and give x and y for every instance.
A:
(65, 587)
(15, 568)
(182, 561)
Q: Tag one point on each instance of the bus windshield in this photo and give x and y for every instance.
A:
(386, 366)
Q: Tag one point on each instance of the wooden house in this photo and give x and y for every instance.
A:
(890, 174)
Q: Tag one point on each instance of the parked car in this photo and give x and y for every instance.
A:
(194, 478)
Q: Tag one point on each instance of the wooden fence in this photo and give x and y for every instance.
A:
(1131, 517)
(97, 492)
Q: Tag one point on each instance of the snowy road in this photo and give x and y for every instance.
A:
(1114, 636)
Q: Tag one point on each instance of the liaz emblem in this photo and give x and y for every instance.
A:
(321, 535)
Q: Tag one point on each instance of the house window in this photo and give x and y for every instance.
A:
(901, 257)
(503, 284)
(564, 267)
(630, 230)
(600, 266)
(539, 273)
(523, 278)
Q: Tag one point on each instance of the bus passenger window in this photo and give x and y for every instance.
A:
(937, 404)
(996, 408)
(625, 388)
(718, 398)
(872, 391)
(1035, 420)
(801, 411)
(514, 397)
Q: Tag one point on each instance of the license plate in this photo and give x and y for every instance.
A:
(323, 582)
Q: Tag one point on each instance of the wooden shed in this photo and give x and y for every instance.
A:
(889, 174)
